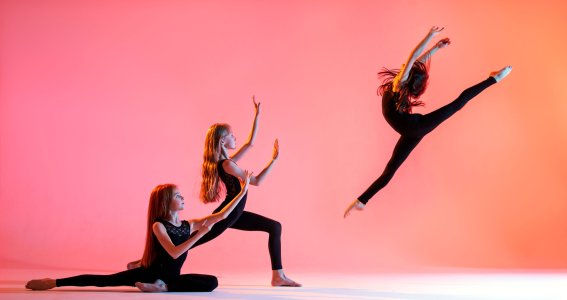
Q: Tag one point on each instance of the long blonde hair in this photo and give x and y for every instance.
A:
(211, 185)
(158, 208)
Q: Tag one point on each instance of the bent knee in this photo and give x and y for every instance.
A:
(213, 284)
(276, 228)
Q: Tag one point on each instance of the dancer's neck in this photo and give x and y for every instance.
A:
(173, 218)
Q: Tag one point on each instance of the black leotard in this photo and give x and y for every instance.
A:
(245, 220)
(231, 182)
(412, 128)
(164, 263)
(163, 267)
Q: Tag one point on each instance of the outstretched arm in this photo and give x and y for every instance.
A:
(202, 225)
(175, 251)
(427, 55)
(415, 54)
(233, 169)
(240, 152)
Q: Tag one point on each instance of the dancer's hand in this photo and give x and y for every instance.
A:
(134, 264)
(355, 205)
(435, 30)
(443, 43)
(205, 225)
(256, 105)
(276, 153)
(246, 181)
(199, 225)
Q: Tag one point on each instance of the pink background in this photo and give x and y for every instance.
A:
(102, 100)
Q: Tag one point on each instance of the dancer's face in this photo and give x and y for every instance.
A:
(178, 202)
(229, 141)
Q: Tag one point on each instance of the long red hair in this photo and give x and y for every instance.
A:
(411, 90)
(158, 208)
(211, 185)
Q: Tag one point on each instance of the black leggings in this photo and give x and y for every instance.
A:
(248, 221)
(414, 129)
(179, 283)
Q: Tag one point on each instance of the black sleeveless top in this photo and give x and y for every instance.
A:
(398, 119)
(231, 182)
(232, 185)
(164, 263)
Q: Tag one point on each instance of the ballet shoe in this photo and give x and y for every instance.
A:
(501, 74)
(355, 205)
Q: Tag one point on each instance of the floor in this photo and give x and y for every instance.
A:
(440, 286)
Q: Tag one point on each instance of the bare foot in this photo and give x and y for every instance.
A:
(499, 75)
(134, 264)
(279, 279)
(355, 205)
(156, 287)
(41, 284)
(285, 282)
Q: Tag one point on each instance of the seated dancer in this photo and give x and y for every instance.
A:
(167, 241)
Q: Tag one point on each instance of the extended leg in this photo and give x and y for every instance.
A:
(124, 278)
(430, 121)
(401, 151)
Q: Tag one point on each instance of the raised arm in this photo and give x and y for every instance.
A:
(415, 54)
(234, 170)
(202, 225)
(252, 137)
(427, 55)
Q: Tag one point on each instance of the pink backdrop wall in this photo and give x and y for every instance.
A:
(102, 100)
